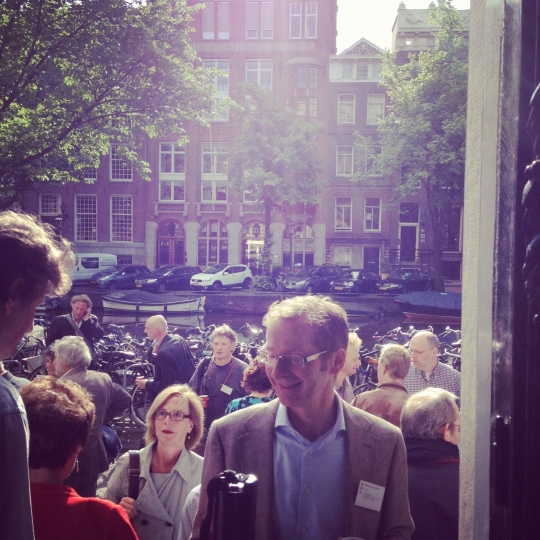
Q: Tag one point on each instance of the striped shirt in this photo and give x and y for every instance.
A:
(443, 376)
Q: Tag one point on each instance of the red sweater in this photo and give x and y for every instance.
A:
(59, 513)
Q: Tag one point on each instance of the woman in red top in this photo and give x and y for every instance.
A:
(60, 415)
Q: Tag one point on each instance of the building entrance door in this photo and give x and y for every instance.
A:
(371, 259)
(170, 243)
(408, 243)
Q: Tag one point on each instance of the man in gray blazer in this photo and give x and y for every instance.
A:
(72, 358)
(325, 469)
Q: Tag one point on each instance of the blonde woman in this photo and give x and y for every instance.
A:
(169, 469)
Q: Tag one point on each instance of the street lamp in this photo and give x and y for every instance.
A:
(59, 219)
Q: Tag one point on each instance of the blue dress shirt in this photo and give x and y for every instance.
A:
(309, 481)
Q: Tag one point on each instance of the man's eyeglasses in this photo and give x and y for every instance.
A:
(176, 416)
(414, 351)
(292, 360)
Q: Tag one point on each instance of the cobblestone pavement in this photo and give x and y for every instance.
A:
(130, 434)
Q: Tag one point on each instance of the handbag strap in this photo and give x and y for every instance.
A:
(134, 474)
(78, 331)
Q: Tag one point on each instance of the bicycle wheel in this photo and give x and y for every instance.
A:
(140, 406)
(40, 371)
(365, 387)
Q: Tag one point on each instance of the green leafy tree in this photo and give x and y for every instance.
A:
(274, 158)
(423, 134)
(76, 75)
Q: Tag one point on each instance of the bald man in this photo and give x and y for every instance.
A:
(174, 361)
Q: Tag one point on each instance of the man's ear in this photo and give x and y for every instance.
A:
(336, 364)
(446, 432)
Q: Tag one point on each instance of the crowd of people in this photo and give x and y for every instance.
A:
(329, 465)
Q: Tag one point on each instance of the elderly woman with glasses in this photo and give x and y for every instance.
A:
(169, 470)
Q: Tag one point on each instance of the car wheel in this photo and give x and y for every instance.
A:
(247, 283)
(161, 287)
(113, 286)
(430, 286)
(404, 290)
(310, 289)
(217, 286)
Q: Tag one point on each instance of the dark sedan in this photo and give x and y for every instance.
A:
(355, 281)
(168, 278)
(120, 276)
(403, 281)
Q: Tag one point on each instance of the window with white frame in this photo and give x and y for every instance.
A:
(85, 218)
(172, 172)
(375, 108)
(121, 218)
(213, 243)
(90, 173)
(344, 160)
(346, 107)
(311, 20)
(220, 112)
(301, 106)
(216, 20)
(342, 255)
(368, 70)
(373, 163)
(214, 172)
(372, 214)
(49, 205)
(259, 72)
(120, 169)
(259, 20)
(343, 216)
(347, 70)
(313, 107)
(303, 16)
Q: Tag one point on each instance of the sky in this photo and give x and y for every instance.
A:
(373, 20)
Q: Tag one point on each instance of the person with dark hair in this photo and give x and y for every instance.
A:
(169, 470)
(60, 415)
(34, 262)
(257, 383)
(80, 322)
(111, 400)
(48, 361)
(324, 469)
(387, 400)
(431, 426)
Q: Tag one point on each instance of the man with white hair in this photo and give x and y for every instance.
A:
(174, 361)
(387, 400)
(72, 358)
(426, 370)
(431, 427)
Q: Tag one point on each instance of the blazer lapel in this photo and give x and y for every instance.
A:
(360, 451)
(256, 452)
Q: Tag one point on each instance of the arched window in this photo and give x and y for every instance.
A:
(170, 242)
(301, 248)
(213, 243)
(252, 245)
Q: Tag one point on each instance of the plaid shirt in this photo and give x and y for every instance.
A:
(443, 376)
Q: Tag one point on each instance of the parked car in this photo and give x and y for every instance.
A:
(403, 281)
(355, 281)
(221, 276)
(168, 278)
(120, 276)
(312, 279)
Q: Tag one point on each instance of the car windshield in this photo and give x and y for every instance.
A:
(400, 274)
(112, 269)
(352, 274)
(162, 270)
(215, 269)
(304, 272)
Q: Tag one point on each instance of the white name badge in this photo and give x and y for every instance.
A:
(226, 389)
(369, 496)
